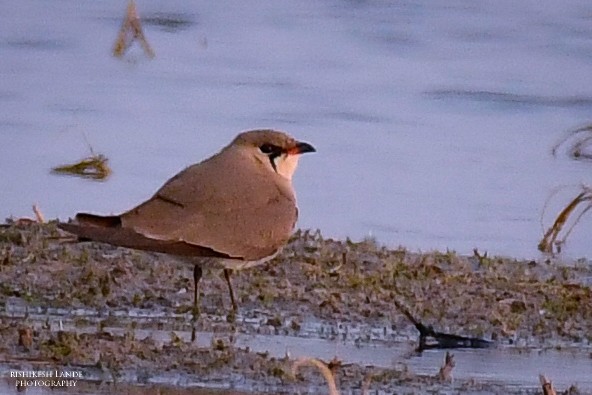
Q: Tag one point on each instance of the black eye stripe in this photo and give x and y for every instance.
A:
(269, 149)
(272, 151)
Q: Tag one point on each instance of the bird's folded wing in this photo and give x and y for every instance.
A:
(229, 208)
(129, 238)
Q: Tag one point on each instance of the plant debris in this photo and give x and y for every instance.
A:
(581, 143)
(108, 296)
(445, 373)
(580, 205)
(94, 167)
(324, 369)
(25, 221)
(547, 385)
(430, 339)
(131, 30)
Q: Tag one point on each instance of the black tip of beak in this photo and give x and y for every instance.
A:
(302, 148)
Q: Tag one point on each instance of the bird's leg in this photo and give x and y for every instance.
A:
(197, 273)
(227, 273)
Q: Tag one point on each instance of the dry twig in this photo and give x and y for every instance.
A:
(430, 339)
(26, 221)
(38, 214)
(131, 30)
(582, 201)
(325, 371)
(547, 385)
(445, 373)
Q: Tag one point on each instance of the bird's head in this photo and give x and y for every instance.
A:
(277, 150)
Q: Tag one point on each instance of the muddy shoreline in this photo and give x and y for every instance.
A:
(123, 316)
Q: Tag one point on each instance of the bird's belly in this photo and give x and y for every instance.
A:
(225, 263)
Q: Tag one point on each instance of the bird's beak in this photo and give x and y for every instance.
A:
(300, 148)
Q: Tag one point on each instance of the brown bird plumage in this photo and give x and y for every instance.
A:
(233, 210)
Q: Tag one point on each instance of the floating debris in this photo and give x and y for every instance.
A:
(580, 204)
(445, 373)
(547, 385)
(430, 339)
(94, 167)
(581, 146)
(131, 30)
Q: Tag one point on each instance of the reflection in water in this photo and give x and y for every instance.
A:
(36, 44)
(511, 99)
(171, 23)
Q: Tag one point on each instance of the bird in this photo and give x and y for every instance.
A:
(232, 211)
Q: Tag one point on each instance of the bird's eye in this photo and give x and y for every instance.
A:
(267, 148)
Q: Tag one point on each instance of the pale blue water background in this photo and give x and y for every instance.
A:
(433, 120)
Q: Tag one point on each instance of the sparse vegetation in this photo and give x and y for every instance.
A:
(579, 143)
(535, 304)
(555, 236)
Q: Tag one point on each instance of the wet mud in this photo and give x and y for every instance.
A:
(124, 317)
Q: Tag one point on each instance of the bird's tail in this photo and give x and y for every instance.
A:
(109, 221)
(90, 227)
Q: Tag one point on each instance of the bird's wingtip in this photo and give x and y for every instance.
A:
(110, 221)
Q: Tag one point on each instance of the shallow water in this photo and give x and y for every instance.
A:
(433, 123)
(507, 366)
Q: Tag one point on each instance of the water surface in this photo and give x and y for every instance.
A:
(433, 121)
